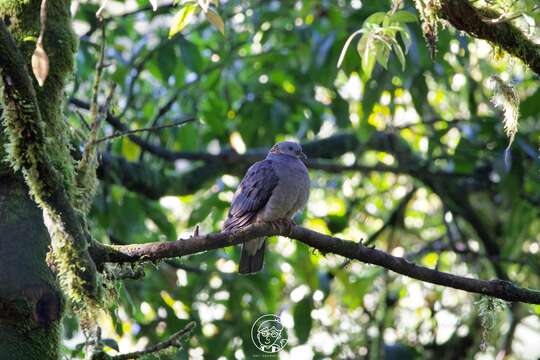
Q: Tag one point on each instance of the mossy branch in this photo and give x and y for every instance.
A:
(475, 21)
(27, 153)
(86, 168)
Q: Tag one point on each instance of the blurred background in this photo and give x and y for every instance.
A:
(407, 154)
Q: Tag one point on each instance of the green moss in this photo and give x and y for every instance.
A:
(37, 343)
(60, 43)
(41, 149)
(467, 17)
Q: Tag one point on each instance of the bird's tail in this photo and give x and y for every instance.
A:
(252, 256)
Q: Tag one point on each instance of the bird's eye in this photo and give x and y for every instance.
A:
(290, 147)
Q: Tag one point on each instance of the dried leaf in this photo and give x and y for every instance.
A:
(40, 64)
(216, 20)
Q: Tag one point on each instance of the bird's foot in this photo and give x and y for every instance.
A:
(284, 224)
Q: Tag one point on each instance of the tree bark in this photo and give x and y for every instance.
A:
(30, 302)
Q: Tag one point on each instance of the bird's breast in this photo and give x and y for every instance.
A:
(290, 194)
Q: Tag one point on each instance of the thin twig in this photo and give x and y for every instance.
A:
(174, 340)
(94, 107)
(153, 128)
(83, 120)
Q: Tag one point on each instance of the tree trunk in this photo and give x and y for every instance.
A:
(31, 304)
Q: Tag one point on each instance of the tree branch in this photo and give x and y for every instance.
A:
(504, 290)
(465, 17)
(174, 340)
(153, 183)
(149, 129)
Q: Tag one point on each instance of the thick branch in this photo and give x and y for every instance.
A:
(144, 179)
(504, 290)
(475, 21)
(154, 183)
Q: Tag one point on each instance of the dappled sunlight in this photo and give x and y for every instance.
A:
(419, 238)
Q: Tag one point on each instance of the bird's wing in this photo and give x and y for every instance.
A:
(252, 194)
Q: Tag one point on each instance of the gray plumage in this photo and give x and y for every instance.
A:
(272, 189)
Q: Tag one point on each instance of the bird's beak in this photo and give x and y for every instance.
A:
(302, 156)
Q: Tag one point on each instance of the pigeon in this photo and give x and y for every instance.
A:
(272, 190)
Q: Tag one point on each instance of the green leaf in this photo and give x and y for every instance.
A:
(182, 18)
(216, 20)
(403, 17)
(382, 53)
(165, 66)
(302, 319)
(368, 58)
(191, 57)
(375, 18)
(400, 55)
(361, 47)
(130, 151)
(406, 38)
(392, 29)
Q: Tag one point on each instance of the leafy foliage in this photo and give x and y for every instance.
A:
(411, 123)
(379, 38)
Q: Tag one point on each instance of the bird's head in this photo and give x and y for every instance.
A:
(288, 148)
